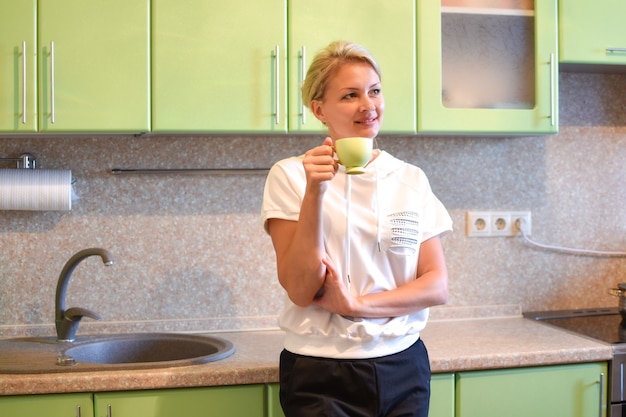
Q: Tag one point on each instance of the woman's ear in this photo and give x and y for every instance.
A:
(317, 111)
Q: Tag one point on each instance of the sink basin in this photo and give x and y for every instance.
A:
(108, 352)
(150, 348)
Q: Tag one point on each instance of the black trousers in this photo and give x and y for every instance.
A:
(397, 385)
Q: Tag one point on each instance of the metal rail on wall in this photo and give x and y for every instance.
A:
(25, 160)
(192, 171)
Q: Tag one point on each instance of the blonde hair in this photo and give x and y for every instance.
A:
(327, 62)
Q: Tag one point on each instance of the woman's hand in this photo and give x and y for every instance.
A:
(320, 166)
(334, 296)
(429, 289)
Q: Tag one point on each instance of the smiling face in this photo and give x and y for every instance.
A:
(353, 103)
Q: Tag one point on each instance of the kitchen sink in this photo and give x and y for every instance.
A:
(109, 352)
(151, 348)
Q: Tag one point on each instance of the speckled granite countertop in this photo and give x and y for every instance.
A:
(454, 345)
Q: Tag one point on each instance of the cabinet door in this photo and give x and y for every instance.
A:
(441, 395)
(487, 70)
(592, 32)
(568, 390)
(18, 67)
(232, 401)
(386, 29)
(53, 405)
(94, 66)
(274, 408)
(219, 66)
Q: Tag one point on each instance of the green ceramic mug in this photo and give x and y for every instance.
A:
(354, 153)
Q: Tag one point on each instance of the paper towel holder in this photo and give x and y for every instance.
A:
(24, 161)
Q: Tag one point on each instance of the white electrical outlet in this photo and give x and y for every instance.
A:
(497, 223)
(501, 224)
(521, 220)
(478, 223)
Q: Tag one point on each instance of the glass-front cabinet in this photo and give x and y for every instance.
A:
(487, 66)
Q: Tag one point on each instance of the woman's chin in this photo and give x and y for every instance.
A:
(367, 132)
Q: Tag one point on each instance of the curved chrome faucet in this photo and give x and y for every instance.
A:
(67, 320)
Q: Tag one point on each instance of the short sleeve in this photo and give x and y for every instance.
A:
(284, 190)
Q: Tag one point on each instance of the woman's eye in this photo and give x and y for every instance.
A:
(375, 92)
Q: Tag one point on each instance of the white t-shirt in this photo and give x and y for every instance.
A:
(373, 226)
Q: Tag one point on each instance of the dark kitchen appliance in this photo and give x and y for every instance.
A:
(602, 324)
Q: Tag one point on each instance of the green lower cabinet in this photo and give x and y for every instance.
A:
(231, 401)
(273, 401)
(49, 405)
(441, 395)
(547, 391)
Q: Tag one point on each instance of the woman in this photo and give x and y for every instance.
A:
(358, 255)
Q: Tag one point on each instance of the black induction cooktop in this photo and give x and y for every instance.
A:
(604, 324)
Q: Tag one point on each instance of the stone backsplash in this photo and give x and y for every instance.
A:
(191, 254)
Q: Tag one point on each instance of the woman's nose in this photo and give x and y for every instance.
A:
(367, 104)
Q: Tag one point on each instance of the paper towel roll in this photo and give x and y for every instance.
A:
(35, 189)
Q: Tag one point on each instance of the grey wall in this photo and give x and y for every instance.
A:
(190, 251)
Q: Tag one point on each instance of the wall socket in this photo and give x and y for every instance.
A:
(497, 223)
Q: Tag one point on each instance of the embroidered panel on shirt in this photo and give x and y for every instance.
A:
(404, 230)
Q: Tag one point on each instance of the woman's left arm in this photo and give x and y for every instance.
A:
(430, 288)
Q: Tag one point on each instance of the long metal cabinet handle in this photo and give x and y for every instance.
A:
(52, 82)
(302, 77)
(277, 86)
(78, 411)
(601, 387)
(108, 410)
(621, 380)
(616, 49)
(552, 93)
(23, 82)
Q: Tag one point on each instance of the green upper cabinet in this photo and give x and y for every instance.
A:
(18, 67)
(219, 66)
(592, 32)
(93, 59)
(386, 29)
(487, 69)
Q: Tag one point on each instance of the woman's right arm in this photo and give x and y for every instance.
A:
(299, 245)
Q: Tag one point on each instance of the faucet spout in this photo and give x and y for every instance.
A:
(67, 320)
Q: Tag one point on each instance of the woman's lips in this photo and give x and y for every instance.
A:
(367, 121)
